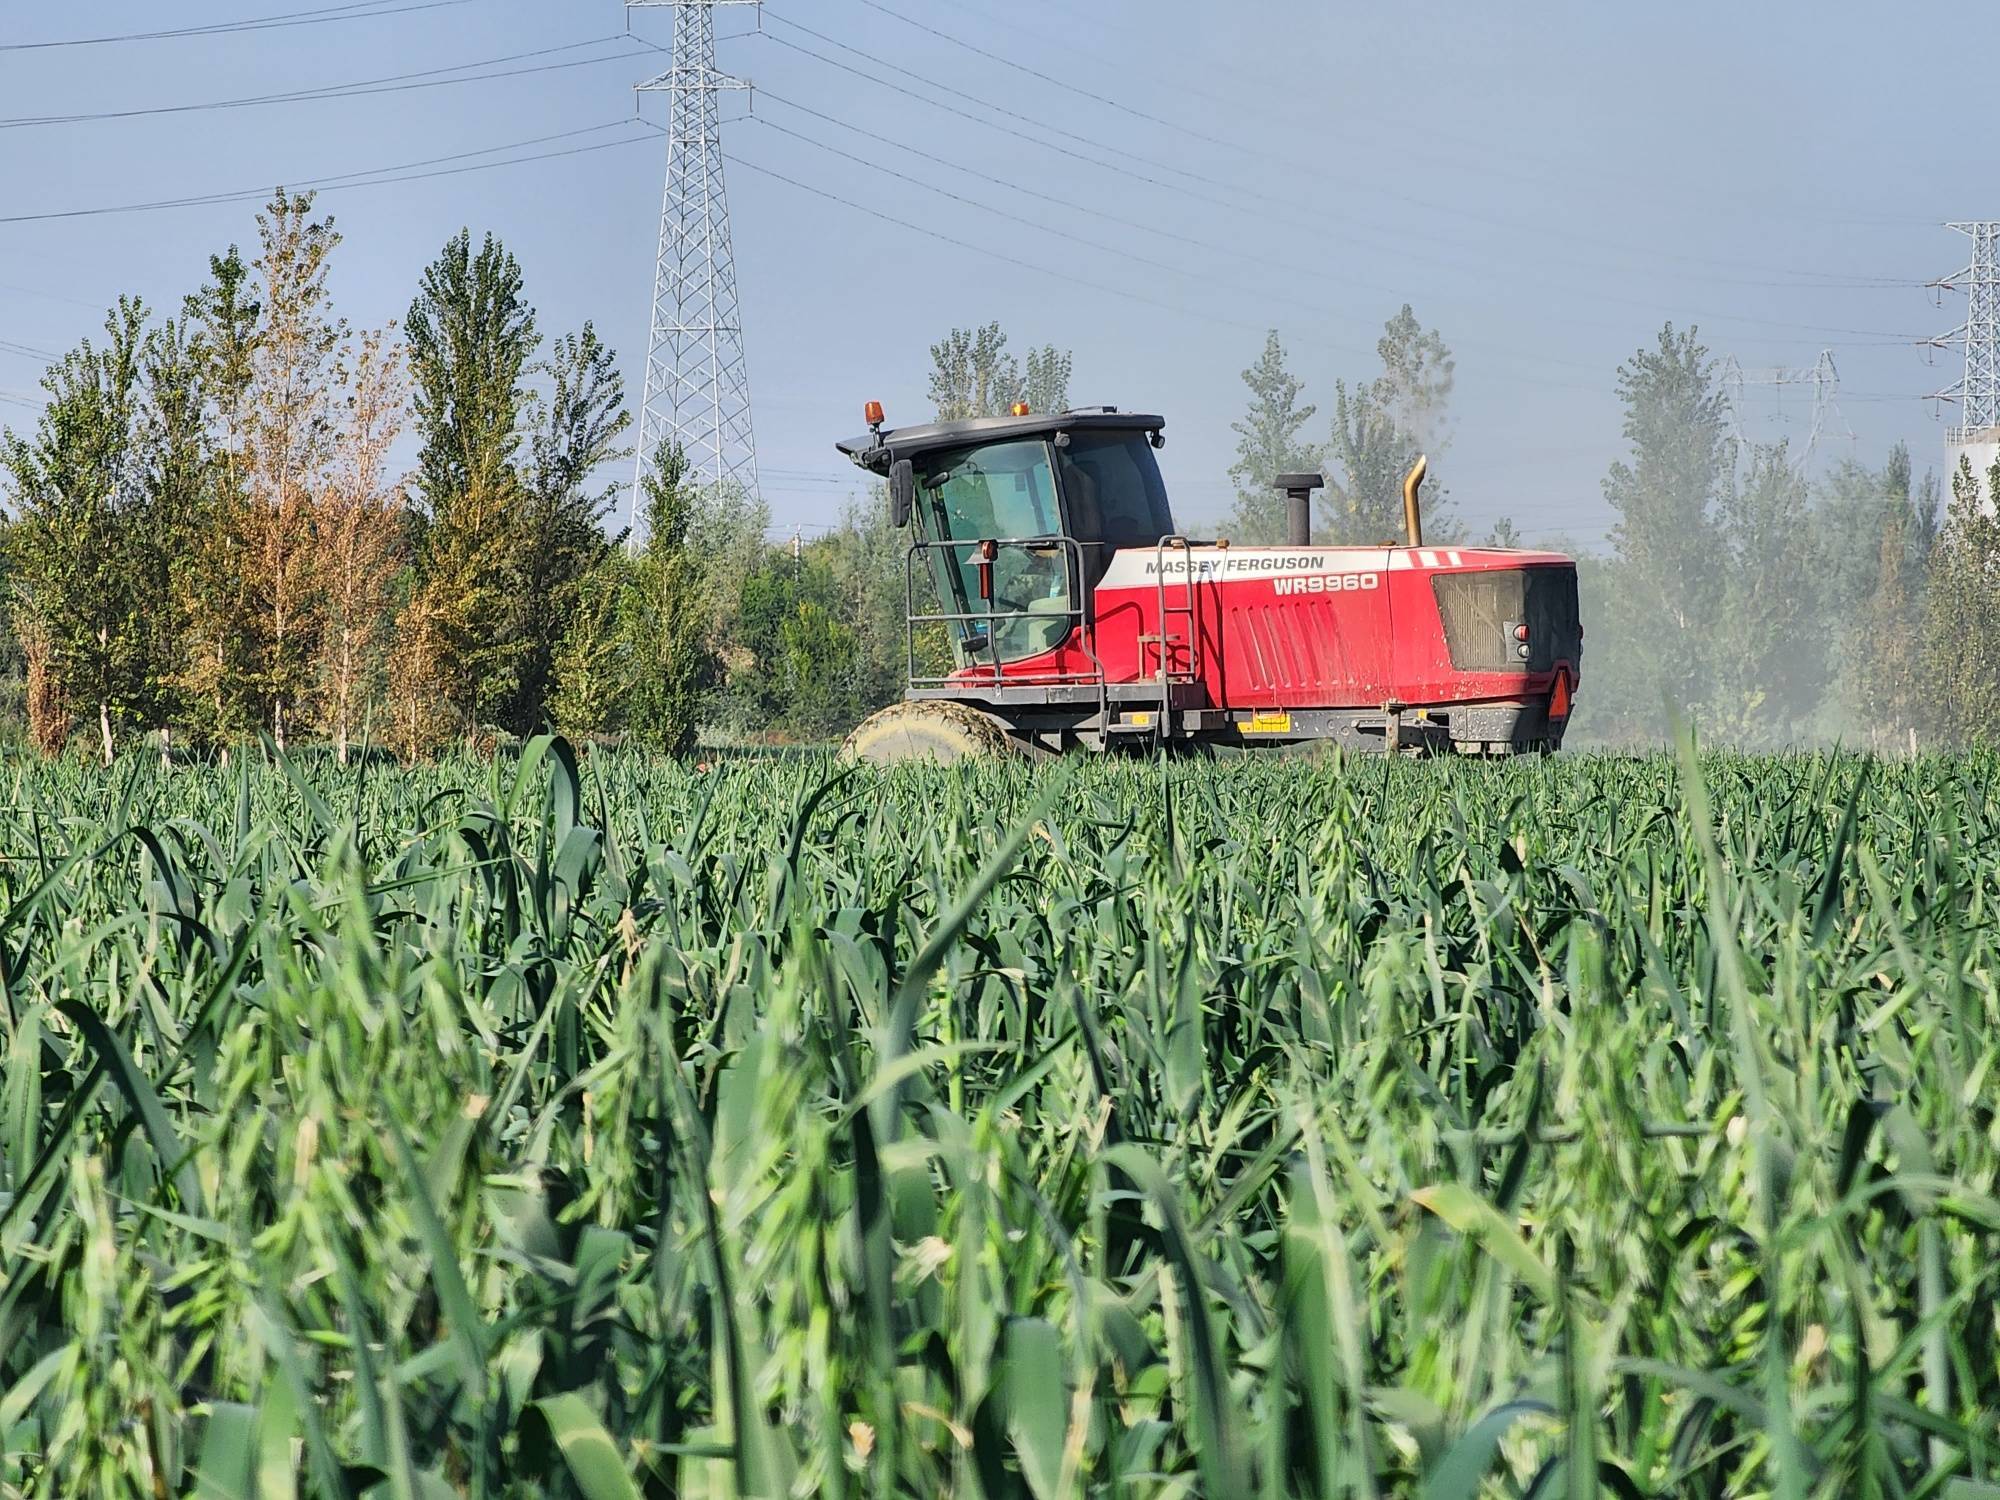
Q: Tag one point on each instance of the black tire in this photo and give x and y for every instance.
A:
(927, 730)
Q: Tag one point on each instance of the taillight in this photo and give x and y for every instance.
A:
(1521, 631)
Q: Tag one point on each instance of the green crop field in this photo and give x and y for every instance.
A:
(1236, 1129)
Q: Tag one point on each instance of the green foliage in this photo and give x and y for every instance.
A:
(575, 434)
(1415, 386)
(507, 548)
(1769, 641)
(1962, 623)
(1371, 456)
(1266, 1128)
(592, 663)
(1885, 672)
(79, 539)
(1667, 539)
(663, 618)
(803, 680)
(1379, 430)
(471, 335)
(973, 375)
(1268, 444)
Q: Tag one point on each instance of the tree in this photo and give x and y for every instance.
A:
(1886, 666)
(803, 678)
(176, 505)
(1045, 387)
(73, 489)
(1504, 534)
(869, 562)
(1371, 456)
(1962, 617)
(575, 434)
(1414, 388)
(1381, 429)
(1670, 558)
(592, 664)
(727, 527)
(216, 668)
(1267, 445)
(1769, 651)
(973, 375)
(361, 533)
(662, 617)
(287, 447)
(1873, 531)
(471, 334)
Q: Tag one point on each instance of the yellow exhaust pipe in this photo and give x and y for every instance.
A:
(1413, 514)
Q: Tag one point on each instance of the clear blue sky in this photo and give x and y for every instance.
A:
(1544, 183)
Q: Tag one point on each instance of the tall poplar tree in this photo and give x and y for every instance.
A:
(1380, 429)
(73, 550)
(361, 530)
(471, 335)
(218, 664)
(575, 433)
(177, 503)
(1671, 563)
(662, 619)
(289, 427)
(1268, 444)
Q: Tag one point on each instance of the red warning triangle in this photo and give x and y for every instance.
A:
(1559, 703)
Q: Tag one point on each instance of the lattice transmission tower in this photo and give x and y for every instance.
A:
(1977, 434)
(1822, 378)
(697, 378)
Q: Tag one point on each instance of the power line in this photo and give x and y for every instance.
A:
(1192, 273)
(988, 252)
(1230, 145)
(1157, 231)
(372, 177)
(360, 10)
(1396, 242)
(397, 83)
(1829, 279)
(1088, 244)
(1235, 252)
(1102, 147)
(1049, 78)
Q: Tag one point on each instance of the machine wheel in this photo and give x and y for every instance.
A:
(926, 729)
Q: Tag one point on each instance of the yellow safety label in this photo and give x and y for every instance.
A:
(1269, 723)
(1142, 721)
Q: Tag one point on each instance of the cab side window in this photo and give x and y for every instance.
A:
(1115, 493)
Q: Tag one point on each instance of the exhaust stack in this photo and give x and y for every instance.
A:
(1298, 490)
(1413, 512)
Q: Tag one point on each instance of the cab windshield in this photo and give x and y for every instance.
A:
(1000, 492)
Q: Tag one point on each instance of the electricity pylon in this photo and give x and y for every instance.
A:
(697, 379)
(1824, 379)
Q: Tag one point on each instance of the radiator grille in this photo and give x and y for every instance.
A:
(1481, 610)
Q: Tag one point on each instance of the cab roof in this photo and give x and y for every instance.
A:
(877, 451)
